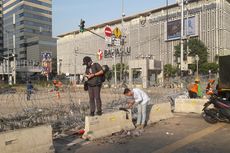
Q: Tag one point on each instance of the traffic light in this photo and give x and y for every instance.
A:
(82, 25)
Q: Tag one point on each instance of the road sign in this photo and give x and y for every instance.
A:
(117, 32)
(117, 42)
(108, 31)
(108, 40)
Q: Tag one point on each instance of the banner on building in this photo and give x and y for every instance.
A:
(190, 26)
(46, 63)
(174, 28)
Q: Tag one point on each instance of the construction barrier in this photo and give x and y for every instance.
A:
(29, 140)
(189, 105)
(107, 124)
(160, 112)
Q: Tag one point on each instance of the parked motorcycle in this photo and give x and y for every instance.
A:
(219, 113)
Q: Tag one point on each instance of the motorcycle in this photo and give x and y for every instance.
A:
(219, 113)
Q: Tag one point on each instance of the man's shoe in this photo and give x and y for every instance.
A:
(99, 113)
(137, 126)
(92, 114)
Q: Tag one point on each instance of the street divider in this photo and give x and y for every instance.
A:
(107, 124)
(28, 140)
(189, 105)
(160, 112)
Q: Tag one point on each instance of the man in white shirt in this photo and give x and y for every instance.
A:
(141, 99)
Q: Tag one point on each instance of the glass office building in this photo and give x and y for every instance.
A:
(25, 19)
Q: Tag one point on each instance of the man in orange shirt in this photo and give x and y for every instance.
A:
(193, 89)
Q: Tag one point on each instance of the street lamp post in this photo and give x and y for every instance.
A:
(182, 35)
(197, 70)
(122, 39)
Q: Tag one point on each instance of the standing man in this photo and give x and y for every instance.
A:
(195, 89)
(93, 73)
(29, 88)
(141, 99)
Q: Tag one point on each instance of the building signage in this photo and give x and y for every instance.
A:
(109, 53)
(178, 14)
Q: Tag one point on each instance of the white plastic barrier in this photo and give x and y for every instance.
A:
(189, 105)
(29, 140)
(107, 124)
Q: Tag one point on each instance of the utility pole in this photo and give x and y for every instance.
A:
(115, 67)
(122, 40)
(14, 48)
(75, 64)
(182, 37)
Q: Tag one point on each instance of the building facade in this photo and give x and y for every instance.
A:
(26, 19)
(151, 34)
(1, 29)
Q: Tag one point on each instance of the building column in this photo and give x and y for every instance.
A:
(145, 69)
(130, 76)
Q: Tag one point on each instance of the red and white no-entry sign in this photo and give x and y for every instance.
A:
(108, 31)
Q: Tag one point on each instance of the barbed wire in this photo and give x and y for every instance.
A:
(68, 110)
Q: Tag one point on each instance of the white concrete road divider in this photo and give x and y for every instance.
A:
(29, 140)
(160, 112)
(107, 124)
(189, 105)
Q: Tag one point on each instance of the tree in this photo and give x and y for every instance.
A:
(118, 69)
(195, 47)
(169, 70)
(209, 66)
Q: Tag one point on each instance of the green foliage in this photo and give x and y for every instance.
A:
(209, 66)
(169, 70)
(118, 68)
(108, 75)
(195, 47)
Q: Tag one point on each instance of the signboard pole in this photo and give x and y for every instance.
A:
(115, 67)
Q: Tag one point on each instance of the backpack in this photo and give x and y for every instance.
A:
(105, 69)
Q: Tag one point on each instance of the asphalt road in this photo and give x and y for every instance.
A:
(185, 133)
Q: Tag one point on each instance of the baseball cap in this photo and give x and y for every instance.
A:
(86, 60)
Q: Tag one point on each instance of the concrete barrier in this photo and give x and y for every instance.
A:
(29, 140)
(107, 124)
(160, 112)
(189, 105)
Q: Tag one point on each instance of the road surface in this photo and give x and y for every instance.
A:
(185, 133)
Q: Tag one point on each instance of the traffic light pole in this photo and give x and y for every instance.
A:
(95, 34)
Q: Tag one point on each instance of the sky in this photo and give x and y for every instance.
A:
(67, 13)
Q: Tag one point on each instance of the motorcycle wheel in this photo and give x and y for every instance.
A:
(209, 119)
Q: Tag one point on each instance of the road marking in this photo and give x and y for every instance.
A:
(189, 139)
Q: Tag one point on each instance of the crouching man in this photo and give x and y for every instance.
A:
(141, 99)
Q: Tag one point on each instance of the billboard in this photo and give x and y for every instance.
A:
(174, 28)
(46, 62)
(190, 26)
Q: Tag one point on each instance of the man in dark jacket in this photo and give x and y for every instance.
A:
(93, 73)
